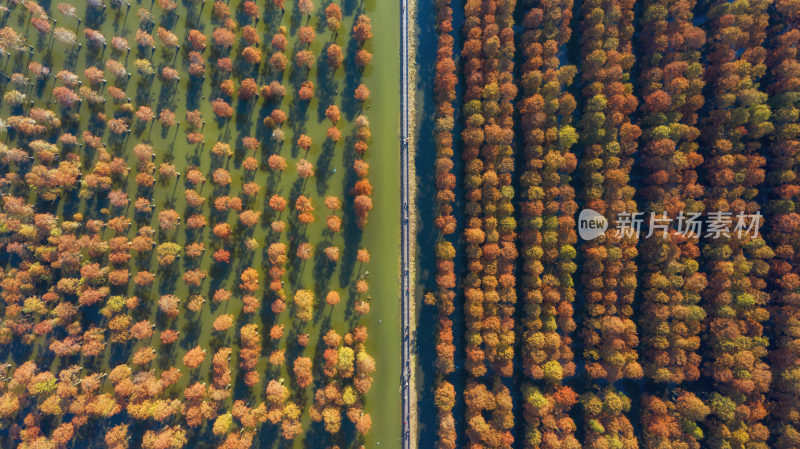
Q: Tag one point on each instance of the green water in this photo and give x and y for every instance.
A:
(381, 236)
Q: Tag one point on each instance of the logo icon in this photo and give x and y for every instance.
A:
(591, 224)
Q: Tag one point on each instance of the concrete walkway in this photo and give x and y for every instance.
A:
(405, 284)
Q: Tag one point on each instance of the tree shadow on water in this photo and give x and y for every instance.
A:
(351, 233)
(326, 84)
(353, 75)
(323, 271)
(323, 167)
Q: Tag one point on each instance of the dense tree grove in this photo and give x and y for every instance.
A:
(169, 277)
(677, 122)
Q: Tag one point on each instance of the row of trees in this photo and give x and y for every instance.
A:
(608, 141)
(443, 297)
(735, 299)
(490, 230)
(671, 85)
(783, 62)
(362, 189)
(547, 236)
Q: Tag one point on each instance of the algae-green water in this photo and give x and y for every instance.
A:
(334, 176)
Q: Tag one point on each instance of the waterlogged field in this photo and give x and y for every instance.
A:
(67, 283)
